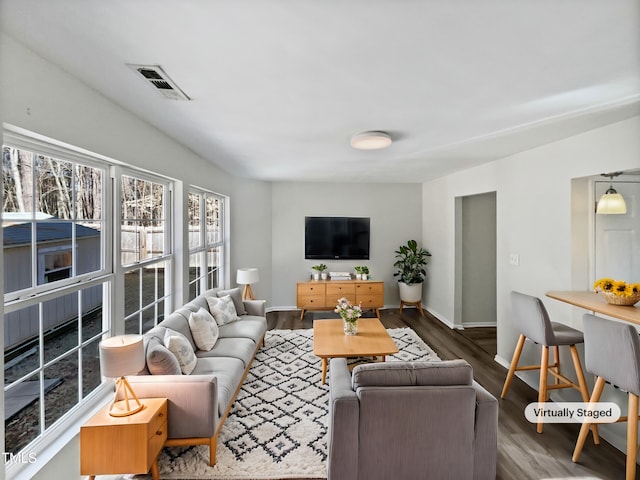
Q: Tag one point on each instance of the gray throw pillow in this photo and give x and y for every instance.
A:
(178, 344)
(160, 361)
(236, 296)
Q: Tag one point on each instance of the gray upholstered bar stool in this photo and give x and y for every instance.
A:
(532, 321)
(612, 353)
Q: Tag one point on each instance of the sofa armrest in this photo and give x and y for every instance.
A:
(255, 307)
(486, 435)
(192, 401)
(344, 409)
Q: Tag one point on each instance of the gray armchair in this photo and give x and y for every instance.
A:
(410, 420)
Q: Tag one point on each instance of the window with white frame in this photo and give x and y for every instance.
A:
(59, 243)
(206, 241)
(55, 283)
(145, 233)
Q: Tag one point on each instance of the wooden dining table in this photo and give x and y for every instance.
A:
(597, 304)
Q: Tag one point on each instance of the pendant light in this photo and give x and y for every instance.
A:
(611, 203)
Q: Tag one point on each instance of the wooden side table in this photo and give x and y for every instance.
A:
(116, 445)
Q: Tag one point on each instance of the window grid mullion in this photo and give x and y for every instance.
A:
(41, 362)
(79, 343)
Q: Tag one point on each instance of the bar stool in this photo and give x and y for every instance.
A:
(532, 320)
(612, 353)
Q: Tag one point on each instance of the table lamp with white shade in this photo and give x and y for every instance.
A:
(246, 277)
(120, 356)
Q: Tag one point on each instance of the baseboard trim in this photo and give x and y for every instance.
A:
(478, 325)
(502, 361)
(443, 319)
(281, 308)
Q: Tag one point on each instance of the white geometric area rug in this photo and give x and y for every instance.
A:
(277, 426)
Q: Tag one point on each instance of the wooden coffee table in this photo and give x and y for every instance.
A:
(329, 341)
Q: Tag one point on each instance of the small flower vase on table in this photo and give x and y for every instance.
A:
(350, 326)
(350, 315)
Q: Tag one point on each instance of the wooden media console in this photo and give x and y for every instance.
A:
(324, 294)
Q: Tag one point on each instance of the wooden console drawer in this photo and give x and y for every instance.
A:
(369, 288)
(305, 289)
(311, 301)
(370, 301)
(347, 290)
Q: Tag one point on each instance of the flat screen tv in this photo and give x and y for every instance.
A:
(336, 238)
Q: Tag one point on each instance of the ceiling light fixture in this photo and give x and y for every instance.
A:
(373, 140)
(611, 203)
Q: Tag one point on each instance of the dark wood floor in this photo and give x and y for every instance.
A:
(522, 453)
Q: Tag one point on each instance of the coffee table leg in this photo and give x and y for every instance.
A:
(324, 370)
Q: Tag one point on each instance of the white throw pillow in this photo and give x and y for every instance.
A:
(236, 296)
(204, 329)
(222, 309)
(178, 344)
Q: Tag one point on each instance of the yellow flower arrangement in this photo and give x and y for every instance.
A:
(619, 288)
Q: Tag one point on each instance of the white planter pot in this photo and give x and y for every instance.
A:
(324, 276)
(316, 276)
(410, 293)
(358, 276)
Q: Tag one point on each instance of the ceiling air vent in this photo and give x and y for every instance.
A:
(160, 81)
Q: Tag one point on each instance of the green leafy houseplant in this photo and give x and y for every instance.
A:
(362, 269)
(410, 262)
(320, 267)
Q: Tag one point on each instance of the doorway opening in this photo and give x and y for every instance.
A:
(476, 260)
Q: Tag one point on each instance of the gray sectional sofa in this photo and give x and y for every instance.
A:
(200, 401)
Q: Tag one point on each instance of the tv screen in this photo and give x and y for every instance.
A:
(337, 238)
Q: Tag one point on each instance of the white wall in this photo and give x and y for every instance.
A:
(534, 220)
(395, 212)
(251, 233)
(40, 97)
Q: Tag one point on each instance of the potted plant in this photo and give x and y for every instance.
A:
(411, 262)
(361, 272)
(319, 271)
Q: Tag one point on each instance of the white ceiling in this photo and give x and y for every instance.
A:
(279, 86)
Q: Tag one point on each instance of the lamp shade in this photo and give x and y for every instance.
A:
(121, 355)
(611, 203)
(247, 276)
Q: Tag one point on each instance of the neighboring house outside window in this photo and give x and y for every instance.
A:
(206, 241)
(54, 263)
